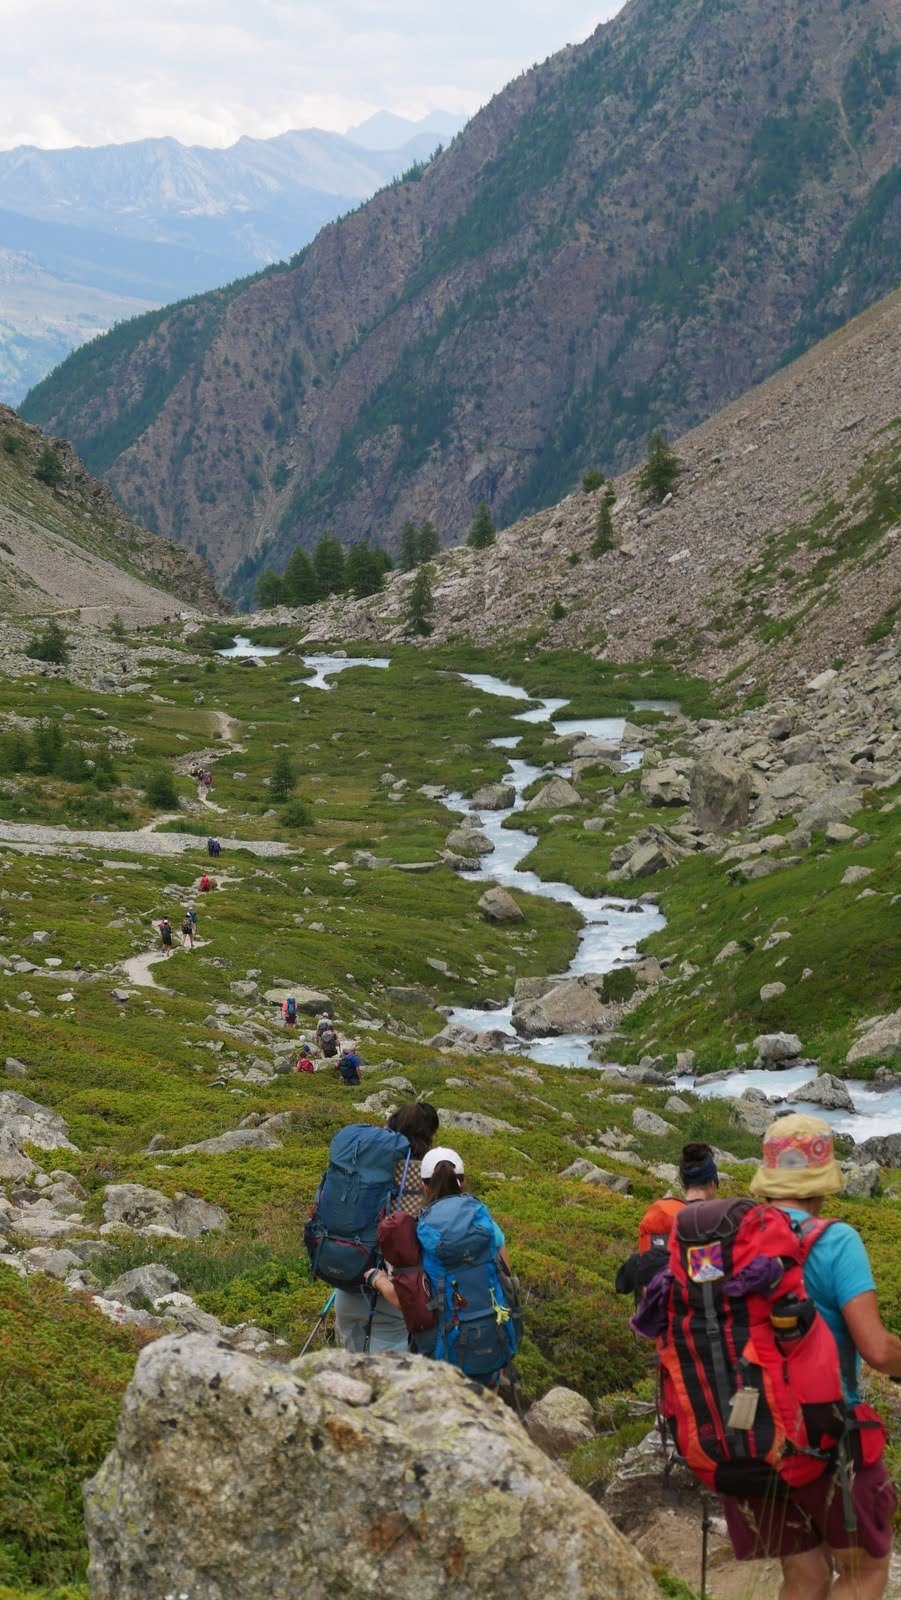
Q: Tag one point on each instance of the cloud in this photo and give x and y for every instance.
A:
(207, 71)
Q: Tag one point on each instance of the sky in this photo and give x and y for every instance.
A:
(207, 71)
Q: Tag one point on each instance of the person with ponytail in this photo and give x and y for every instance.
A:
(700, 1181)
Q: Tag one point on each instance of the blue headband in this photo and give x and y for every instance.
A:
(704, 1172)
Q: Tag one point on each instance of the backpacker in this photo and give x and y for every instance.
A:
(751, 1384)
(652, 1254)
(289, 1009)
(479, 1321)
(349, 1068)
(398, 1245)
(328, 1042)
(356, 1191)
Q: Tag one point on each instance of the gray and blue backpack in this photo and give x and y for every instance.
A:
(356, 1191)
(479, 1321)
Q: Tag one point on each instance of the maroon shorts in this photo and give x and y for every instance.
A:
(790, 1525)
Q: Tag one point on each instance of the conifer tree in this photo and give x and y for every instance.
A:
(420, 603)
(268, 589)
(49, 645)
(409, 546)
(283, 778)
(328, 563)
(482, 532)
(603, 538)
(428, 543)
(659, 473)
(364, 571)
(300, 584)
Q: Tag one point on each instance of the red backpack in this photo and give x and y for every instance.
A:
(398, 1243)
(751, 1384)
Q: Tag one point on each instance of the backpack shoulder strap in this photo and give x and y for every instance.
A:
(809, 1231)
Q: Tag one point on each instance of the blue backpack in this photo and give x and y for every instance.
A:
(356, 1191)
(473, 1296)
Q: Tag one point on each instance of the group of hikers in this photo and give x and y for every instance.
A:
(200, 776)
(760, 1308)
(188, 931)
(348, 1063)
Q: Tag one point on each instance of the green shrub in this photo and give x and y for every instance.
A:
(661, 470)
(11, 443)
(49, 469)
(159, 788)
(482, 531)
(117, 628)
(296, 813)
(620, 984)
(603, 536)
(283, 776)
(591, 480)
(49, 645)
(558, 610)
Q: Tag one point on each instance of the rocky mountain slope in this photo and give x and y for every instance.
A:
(778, 551)
(95, 235)
(633, 232)
(67, 548)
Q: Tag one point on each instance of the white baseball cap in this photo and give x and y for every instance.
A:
(433, 1158)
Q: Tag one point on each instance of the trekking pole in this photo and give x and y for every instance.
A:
(322, 1316)
(373, 1302)
(705, 1536)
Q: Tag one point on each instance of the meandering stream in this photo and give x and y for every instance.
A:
(613, 927)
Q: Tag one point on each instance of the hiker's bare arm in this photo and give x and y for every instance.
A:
(381, 1282)
(879, 1348)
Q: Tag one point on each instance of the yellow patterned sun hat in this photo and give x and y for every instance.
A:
(798, 1161)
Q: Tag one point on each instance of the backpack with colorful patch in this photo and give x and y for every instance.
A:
(356, 1191)
(479, 1322)
(751, 1384)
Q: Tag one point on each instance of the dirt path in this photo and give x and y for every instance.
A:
(226, 725)
(204, 798)
(137, 968)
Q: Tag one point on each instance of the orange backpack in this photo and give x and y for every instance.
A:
(656, 1225)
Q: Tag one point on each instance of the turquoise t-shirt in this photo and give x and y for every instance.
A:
(836, 1271)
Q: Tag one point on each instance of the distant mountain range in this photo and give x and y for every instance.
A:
(629, 235)
(90, 236)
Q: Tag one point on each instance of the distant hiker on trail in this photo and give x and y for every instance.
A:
(327, 1038)
(289, 1010)
(477, 1320)
(187, 932)
(784, 1439)
(305, 1062)
(166, 935)
(214, 848)
(348, 1069)
(205, 884)
(700, 1180)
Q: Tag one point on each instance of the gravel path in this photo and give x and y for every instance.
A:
(137, 968)
(25, 834)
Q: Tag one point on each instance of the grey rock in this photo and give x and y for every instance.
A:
(312, 1002)
(497, 905)
(236, 1139)
(56, 1263)
(556, 795)
(560, 1421)
(750, 1115)
(150, 1282)
(441, 1490)
(825, 1091)
(14, 1163)
(720, 793)
(468, 842)
(26, 1122)
(675, 1104)
(776, 1047)
(410, 994)
(884, 1148)
(644, 1121)
(474, 1122)
(595, 824)
(882, 1041)
(861, 1179)
(494, 797)
(573, 1006)
(840, 833)
(856, 874)
(771, 991)
(733, 948)
(131, 1205)
(664, 786)
(14, 1068)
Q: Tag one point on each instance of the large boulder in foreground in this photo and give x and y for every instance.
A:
(720, 792)
(340, 1475)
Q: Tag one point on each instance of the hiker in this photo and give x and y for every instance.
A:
(205, 884)
(289, 1011)
(820, 1502)
(700, 1181)
(478, 1324)
(214, 848)
(327, 1038)
(348, 1069)
(358, 1188)
(418, 1122)
(166, 936)
(187, 932)
(305, 1062)
(207, 781)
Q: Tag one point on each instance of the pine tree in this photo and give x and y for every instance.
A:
(428, 543)
(300, 585)
(328, 563)
(420, 603)
(364, 572)
(49, 645)
(482, 532)
(49, 469)
(283, 776)
(603, 538)
(117, 628)
(409, 546)
(659, 473)
(268, 589)
(591, 480)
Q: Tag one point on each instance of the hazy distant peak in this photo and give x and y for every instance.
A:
(387, 131)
